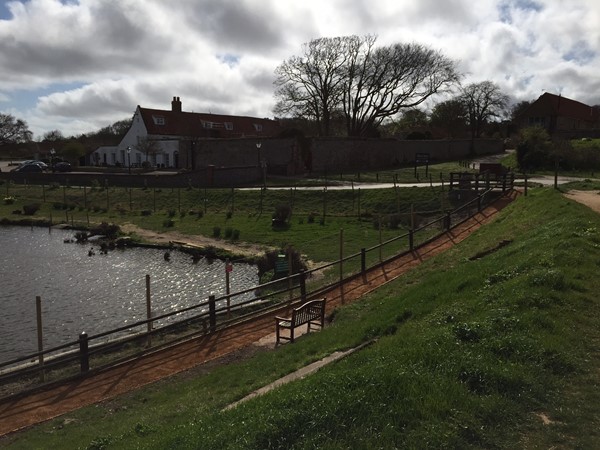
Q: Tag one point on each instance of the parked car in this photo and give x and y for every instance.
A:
(62, 166)
(32, 167)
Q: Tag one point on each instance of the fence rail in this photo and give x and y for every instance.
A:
(102, 350)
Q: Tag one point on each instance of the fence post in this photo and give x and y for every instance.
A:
(411, 239)
(448, 220)
(84, 356)
(342, 265)
(212, 312)
(38, 308)
(228, 268)
(148, 304)
(479, 203)
(363, 261)
(303, 285)
(525, 184)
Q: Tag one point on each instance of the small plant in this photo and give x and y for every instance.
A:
(216, 232)
(172, 213)
(236, 235)
(146, 212)
(9, 200)
(229, 215)
(31, 209)
(168, 223)
(311, 218)
(228, 233)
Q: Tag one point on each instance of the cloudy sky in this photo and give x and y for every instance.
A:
(77, 66)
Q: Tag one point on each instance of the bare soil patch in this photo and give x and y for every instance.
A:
(194, 240)
(590, 199)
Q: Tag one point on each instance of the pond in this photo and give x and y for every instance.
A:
(94, 293)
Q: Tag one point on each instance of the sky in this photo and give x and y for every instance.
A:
(78, 66)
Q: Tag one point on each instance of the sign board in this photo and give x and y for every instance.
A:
(422, 157)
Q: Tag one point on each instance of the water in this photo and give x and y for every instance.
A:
(94, 293)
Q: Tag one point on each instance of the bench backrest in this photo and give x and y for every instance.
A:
(308, 311)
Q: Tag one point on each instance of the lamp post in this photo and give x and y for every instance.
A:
(52, 152)
(129, 159)
(258, 145)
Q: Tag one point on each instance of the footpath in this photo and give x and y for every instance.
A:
(19, 412)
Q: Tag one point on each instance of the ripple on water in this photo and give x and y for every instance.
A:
(93, 293)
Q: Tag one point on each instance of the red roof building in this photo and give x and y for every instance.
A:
(157, 136)
(561, 116)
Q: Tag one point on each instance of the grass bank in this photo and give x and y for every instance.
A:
(316, 217)
(476, 349)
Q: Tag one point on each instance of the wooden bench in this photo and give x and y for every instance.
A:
(311, 313)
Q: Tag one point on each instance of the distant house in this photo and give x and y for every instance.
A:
(157, 137)
(561, 117)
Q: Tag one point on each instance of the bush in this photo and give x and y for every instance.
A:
(111, 230)
(236, 235)
(228, 233)
(172, 213)
(146, 212)
(534, 149)
(282, 214)
(168, 223)
(216, 232)
(31, 209)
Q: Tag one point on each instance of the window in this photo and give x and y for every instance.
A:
(206, 124)
(167, 161)
(258, 127)
(158, 120)
(229, 126)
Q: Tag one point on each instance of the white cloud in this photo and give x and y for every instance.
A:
(220, 56)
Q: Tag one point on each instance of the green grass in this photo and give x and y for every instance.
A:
(470, 354)
(317, 217)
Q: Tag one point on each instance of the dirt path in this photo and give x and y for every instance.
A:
(225, 345)
(590, 199)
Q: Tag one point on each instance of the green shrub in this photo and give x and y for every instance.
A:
(216, 232)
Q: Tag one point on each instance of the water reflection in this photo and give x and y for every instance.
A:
(94, 293)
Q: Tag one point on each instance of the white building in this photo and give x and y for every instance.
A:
(156, 136)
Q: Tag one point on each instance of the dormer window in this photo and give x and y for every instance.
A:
(158, 120)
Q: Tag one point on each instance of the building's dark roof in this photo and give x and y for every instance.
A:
(178, 123)
(557, 105)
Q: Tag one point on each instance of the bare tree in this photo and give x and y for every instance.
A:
(310, 86)
(148, 147)
(13, 131)
(383, 81)
(54, 135)
(366, 83)
(483, 101)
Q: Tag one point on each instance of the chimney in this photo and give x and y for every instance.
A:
(176, 104)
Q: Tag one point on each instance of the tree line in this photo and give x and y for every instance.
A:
(352, 82)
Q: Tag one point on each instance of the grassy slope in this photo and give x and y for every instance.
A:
(471, 354)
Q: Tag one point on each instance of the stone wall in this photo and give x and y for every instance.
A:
(290, 157)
